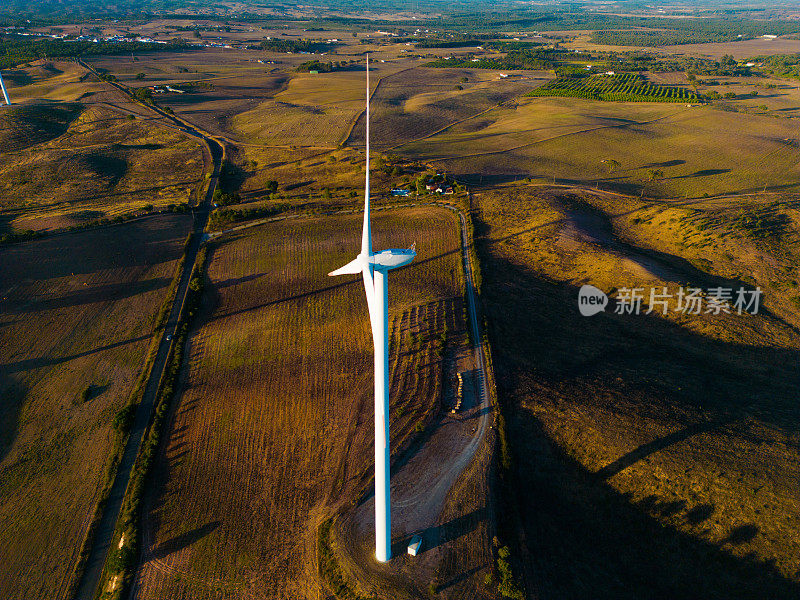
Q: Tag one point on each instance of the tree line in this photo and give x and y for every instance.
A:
(15, 52)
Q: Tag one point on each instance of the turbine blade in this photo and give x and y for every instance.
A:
(366, 233)
(351, 268)
(369, 288)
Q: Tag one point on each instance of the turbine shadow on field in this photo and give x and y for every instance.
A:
(43, 361)
(354, 281)
(101, 293)
(656, 445)
(184, 540)
(583, 537)
(438, 535)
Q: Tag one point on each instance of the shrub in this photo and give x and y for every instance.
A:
(124, 419)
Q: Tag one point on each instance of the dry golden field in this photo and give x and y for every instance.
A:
(665, 446)
(418, 102)
(231, 94)
(68, 163)
(673, 151)
(273, 429)
(76, 318)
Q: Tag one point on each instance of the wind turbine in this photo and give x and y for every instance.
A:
(5, 92)
(375, 269)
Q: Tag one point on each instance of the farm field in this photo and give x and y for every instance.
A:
(418, 102)
(625, 87)
(302, 174)
(277, 396)
(668, 151)
(313, 110)
(76, 318)
(232, 95)
(666, 446)
(68, 163)
(623, 456)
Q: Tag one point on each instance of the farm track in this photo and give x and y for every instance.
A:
(101, 543)
(431, 500)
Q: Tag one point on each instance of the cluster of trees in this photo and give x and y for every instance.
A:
(782, 65)
(666, 32)
(445, 43)
(294, 45)
(321, 67)
(225, 216)
(638, 61)
(703, 66)
(627, 87)
(568, 18)
(523, 58)
(15, 51)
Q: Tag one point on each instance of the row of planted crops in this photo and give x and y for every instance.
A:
(626, 87)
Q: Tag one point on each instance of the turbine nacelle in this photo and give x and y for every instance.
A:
(383, 261)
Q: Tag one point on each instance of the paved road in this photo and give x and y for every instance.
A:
(105, 530)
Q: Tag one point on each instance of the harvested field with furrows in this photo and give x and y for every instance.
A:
(666, 445)
(420, 101)
(273, 429)
(69, 164)
(76, 318)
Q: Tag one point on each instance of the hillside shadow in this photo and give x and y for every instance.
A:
(582, 537)
(593, 542)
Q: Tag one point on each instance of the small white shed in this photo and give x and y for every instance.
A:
(415, 545)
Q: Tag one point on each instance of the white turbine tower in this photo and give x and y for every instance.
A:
(375, 269)
(5, 91)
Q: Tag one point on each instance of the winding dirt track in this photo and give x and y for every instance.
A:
(430, 498)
